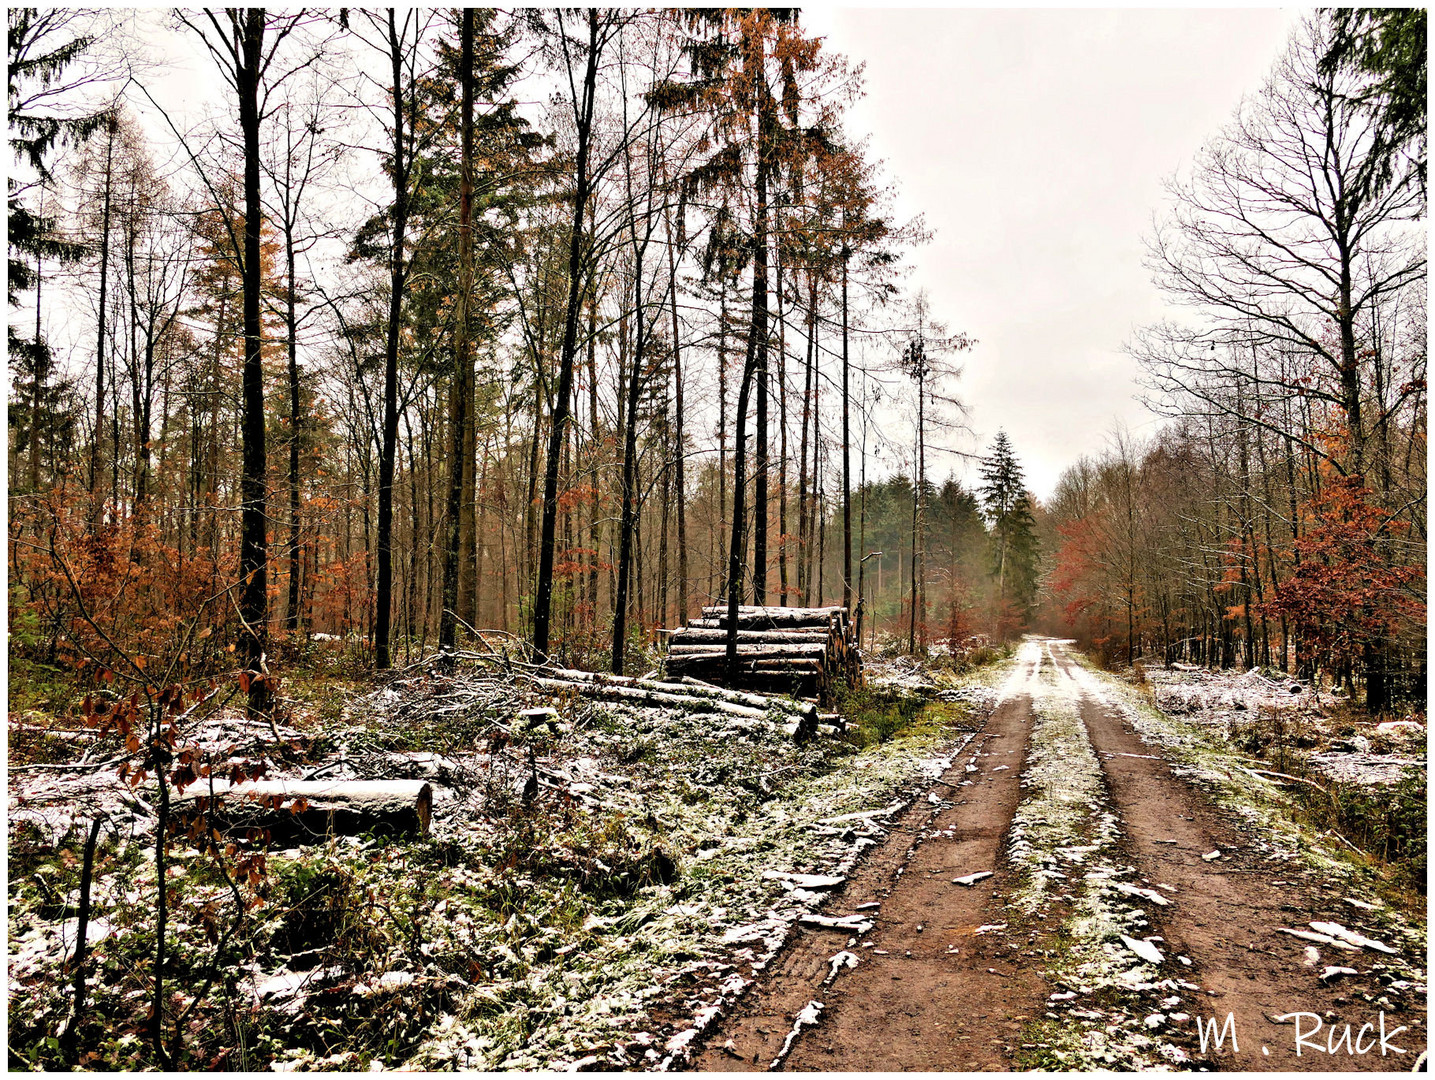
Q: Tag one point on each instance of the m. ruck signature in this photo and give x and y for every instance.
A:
(1311, 1033)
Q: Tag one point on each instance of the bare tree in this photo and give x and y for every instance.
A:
(1282, 231)
(244, 44)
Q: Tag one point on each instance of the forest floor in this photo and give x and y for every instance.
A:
(1090, 887)
(594, 889)
(617, 886)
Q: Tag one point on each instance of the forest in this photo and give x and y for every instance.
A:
(653, 363)
(565, 352)
(1279, 517)
(390, 395)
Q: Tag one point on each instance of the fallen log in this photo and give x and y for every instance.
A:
(767, 618)
(306, 811)
(815, 648)
(805, 711)
(639, 695)
(802, 725)
(754, 611)
(591, 683)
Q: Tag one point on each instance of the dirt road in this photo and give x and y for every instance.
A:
(1100, 854)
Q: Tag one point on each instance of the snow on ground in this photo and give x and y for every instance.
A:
(1199, 755)
(1064, 842)
(534, 936)
(1252, 707)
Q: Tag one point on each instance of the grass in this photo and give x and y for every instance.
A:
(875, 716)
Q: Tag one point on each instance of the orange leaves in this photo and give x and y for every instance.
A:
(1348, 590)
(121, 597)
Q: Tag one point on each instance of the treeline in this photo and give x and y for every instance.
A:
(1279, 518)
(385, 354)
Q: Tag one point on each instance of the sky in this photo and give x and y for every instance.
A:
(1035, 142)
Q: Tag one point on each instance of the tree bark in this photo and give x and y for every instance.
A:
(759, 335)
(846, 446)
(628, 515)
(97, 447)
(680, 452)
(291, 328)
(383, 599)
(254, 545)
(543, 599)
(460, 391)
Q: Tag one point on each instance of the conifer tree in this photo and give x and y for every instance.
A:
(42, 45)
(1013, 528)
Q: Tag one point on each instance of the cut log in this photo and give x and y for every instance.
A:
(691, 635)
(698, 686)
(772, 618)
(699, 698)
(693, 687)
(639, 695)
(328, 807)
(689, 694)
(817, 648)
(792, 650)
(758, 611)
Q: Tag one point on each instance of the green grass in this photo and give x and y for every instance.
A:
(875, 716)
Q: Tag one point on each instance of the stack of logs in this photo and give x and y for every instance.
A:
(783, 650)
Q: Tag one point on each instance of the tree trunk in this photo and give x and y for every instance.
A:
(846, 446)
(383, 599)
(628, 515)
(595, 527)
(722, 426)
(254, 546)
(759, 334)
(97, 447)
(460, 390)
(782, 430)
(543, 598)
(680, 452)
(804, 537)
(291, 327)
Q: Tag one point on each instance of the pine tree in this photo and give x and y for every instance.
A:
(42, 44)
(1008, 509)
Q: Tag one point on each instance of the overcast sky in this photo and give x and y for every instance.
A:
(1036, 142)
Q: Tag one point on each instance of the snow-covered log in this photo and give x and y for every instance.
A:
(311, 810)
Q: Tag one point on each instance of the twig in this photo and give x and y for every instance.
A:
(71, 1035)
(68, 765)
(1287, 776)
(1343, 840)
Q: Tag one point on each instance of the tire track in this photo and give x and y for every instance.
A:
(1099, 893)
(929, 991)
(1225, 913)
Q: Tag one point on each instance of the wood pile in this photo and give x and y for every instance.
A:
(781, 650)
